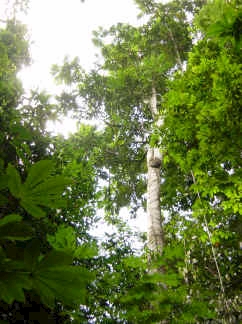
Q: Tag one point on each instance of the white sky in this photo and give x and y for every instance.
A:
(64, 27)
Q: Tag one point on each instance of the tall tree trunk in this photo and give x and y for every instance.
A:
(154, 159)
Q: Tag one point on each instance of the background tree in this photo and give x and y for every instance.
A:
(137, 64)
(201, 138)
(195, 169)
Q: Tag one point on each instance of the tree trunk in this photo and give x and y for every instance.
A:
(154, 159)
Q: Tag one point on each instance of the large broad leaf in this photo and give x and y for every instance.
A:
(12, 286)
(41, 188)
(32, 208)
(32, 255)
(3, 176)
(55, 259)
(17, 232)
(12, 228)
(12, 218)
(65, 283)
(14, 279)
(46, 193)
(85, 251)
(14, 181)
(56, 279)
(65, 240)
(38, 172)
(52, 276)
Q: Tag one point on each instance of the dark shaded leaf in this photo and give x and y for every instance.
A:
(14, 181)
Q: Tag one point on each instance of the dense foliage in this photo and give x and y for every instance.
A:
(201, 138)
(42, 268)
(52, 270)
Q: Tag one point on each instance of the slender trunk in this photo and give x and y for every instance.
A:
(178, 56)
(155, 235)
(154, 159)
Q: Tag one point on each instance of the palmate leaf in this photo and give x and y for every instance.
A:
(41, 188)
(55, 259)
(32, 208)
(32, 255)
(39, 172)
(14, 181)
(14, 279)
(3, 177)
(56, 279)
(12, 218)
(85, 251)
(65, 283)
(53, 185)
(46, 192)
(16, 232)
(12, 228)
(64, 240)
(12, 286)
(52, 276)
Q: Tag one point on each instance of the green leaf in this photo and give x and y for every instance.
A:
(12, 218)
(135, 262)
(62, 283)
(53, 186)
(12, 286)
(3, 200)
(39, 172)
(16, 232)
(55, 258)
(63, 239)
(14, 181)
(56, 279)
(32, 255)
(3, 181)
(11, 228)
(171, 279)
(21, 132)
(171, 252)
(85, 251)
(32, 209)
(41, 189)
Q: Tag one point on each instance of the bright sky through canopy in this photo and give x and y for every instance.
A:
(64, 27)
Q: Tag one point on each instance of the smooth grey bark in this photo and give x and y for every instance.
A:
(154, 160)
